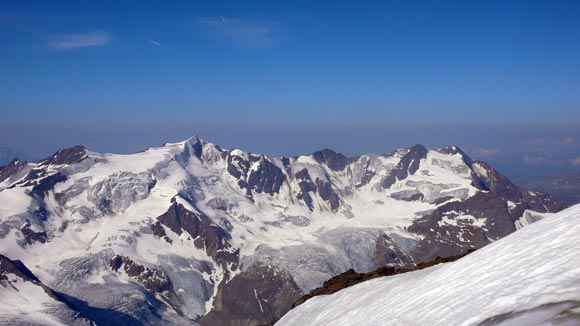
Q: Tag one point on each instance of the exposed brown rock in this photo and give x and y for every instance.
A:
(387, 252)
(335, 161)
(31, 236)
(153, 280)
(42, 186)
(445, 239)
(368, 175)
(498, 184)
(306, 187)
(350, 277)
(69, 155)
(16, 267)
(259, 295)
(327, 193)
(11, 168)
(266, 178)
(207, 235)
(409, 164)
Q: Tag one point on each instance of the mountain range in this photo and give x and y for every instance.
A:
(190, 233)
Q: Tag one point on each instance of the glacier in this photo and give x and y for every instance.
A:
(188, 232)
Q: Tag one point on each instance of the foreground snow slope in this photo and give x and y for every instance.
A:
(531, 277)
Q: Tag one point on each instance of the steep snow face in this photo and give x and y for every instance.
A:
(531, 277)
(214, 223)
(25, 301)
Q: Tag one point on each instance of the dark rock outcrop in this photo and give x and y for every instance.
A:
(16, 267)
(496, 183)
(367, 176)
(409, 164)
(194, 146)
(153, 280)
(454, 150)
(11, 168)
(266, 178)
(31, 236)
(326, 192)
(351, 277)
(43, 185)
(387, 252)
(490, 218)
(335, 161)
(446, 233)
(259, 295)
(206, 235)
(66, 156)
(41, 178)
(306, 187)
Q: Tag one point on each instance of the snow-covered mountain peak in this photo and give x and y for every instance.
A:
(210, 223)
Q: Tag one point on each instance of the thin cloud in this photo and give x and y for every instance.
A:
(536, 160)
(576, 161)
(157, 44)
(243, 33)
(486, 152)
(568, 141)
(79, 40)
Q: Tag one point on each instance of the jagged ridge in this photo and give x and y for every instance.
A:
(215, 222)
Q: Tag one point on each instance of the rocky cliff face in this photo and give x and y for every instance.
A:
(193, 233)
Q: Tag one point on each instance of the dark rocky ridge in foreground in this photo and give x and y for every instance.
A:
(351, 277)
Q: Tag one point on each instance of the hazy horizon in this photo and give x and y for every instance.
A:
(499, 79)
(518, 152)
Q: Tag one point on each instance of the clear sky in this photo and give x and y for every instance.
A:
(284, 77)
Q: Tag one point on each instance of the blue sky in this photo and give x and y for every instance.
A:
(148, 72)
